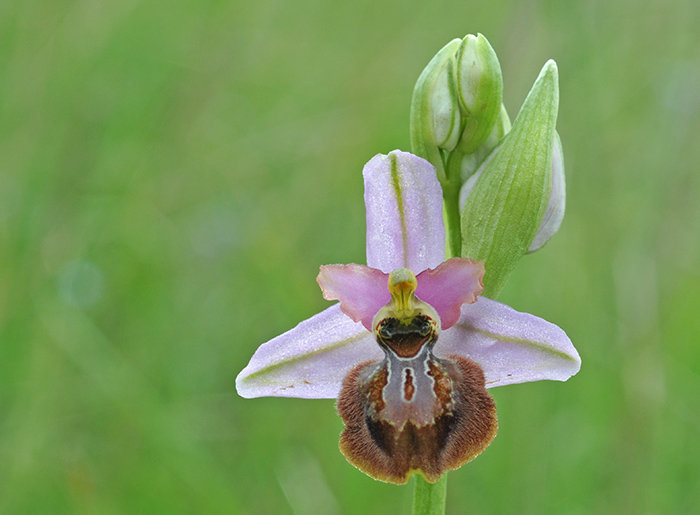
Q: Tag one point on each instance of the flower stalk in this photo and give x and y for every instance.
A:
(451, 188)
(429, 499)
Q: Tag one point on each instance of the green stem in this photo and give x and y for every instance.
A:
(454, 227)
(450, 194)
(429, 499)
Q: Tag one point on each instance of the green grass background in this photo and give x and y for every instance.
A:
(172, 174)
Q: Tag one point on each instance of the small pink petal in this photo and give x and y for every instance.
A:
(361, 290)
(455, 282)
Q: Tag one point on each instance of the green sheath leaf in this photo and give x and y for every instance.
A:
(503, 213)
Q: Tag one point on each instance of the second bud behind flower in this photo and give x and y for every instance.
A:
(479, 89)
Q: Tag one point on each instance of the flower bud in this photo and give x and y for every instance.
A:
(435, 113)
(471, 162)
(457, 103)
(479, 90)
(554, 214)
(444, 108)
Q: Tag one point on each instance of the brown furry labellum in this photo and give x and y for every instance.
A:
(414, 412)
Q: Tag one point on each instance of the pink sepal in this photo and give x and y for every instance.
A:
(403, 199)
(309, 361)
(509, 346)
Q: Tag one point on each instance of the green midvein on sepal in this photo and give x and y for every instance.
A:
(506, 206)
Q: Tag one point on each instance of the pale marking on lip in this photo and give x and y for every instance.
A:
(408, 395)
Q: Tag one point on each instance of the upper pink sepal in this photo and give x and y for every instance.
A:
(403, 199)
(455, 282)
(361, 290)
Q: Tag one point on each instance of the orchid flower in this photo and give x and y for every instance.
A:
(411, 347)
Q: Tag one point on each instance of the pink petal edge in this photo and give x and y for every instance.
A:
(455, 282)
(361, 290)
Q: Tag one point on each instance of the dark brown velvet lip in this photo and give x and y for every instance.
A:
(465, 423)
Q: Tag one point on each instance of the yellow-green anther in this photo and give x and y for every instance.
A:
(404, 305)
(480, 90)
(402, 286)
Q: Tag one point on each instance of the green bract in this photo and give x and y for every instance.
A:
(507, 203)
(471, 162)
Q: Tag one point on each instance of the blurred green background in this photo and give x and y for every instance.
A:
(172, 174)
